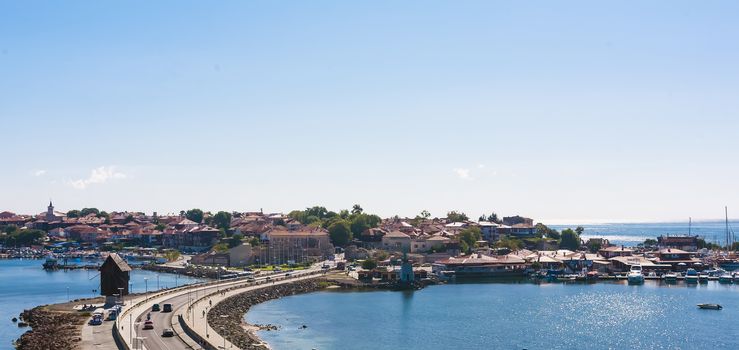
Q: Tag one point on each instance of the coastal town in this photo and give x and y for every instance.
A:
(247, 258)
(450, 247)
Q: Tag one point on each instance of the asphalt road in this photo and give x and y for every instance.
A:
(163, 320)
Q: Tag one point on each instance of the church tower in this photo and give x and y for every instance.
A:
(50, 212)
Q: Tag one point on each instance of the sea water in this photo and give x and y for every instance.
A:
(604, 315)
(24, 285)
(635, 233)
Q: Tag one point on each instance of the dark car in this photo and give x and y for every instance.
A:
(167, 308)
(156, 307)
(148, 325)
(168, 333)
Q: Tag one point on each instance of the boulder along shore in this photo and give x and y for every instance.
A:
(237, 306)
(51, 329)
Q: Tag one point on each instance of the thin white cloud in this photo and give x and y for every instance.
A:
(480, 166)
(99, 175)
(38, 173)
(462, 173)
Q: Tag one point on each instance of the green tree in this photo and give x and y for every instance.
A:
(221, 247)
(509, 242)
(104, 214)
(160, 227)
(235, 240)
(649, 242)
(570, 240)
(254, 241)
(88, 211)
(579, 230)
(73, 214)
(319, 212)
(468, 237)
(195, 215)
(369, 264)
(361, 222)
(544, 231)
(340, 232)
(172, 255)
(454, 216)
(494, 218)
(25, 237)
(594, 246)
(425, 214)
(222, 220)
(356, 209)
(312, 219)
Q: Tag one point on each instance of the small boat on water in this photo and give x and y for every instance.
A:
(710, 306)
(691, 276)
(51, 263)
(702, 278)
(725, 279)
(635, 275)
(670, 277)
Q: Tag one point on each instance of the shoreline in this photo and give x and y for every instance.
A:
(53, 326)
(229, 315)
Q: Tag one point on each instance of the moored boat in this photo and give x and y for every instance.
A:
(710, 306)
(50, 264)
(725, 279)
(702, 277)
(670, 277)
(635, 275)
(691, 276)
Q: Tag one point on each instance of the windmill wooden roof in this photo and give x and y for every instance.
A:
(116, 259)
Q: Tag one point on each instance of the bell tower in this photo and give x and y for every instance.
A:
(50, 212)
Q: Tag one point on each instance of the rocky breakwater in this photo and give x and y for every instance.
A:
(227, 316)
(51, 329)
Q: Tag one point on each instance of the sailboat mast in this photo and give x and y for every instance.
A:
(690, 224)
(726, 211)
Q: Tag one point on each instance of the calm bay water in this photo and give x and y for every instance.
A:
(633, 234)
(24, 284)
(604, 315)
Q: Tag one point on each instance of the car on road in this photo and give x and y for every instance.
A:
(168, 332)
(156, 307)
(288, 274)
(97, 319)
(268, 278)
(149, 325)
(167, 308)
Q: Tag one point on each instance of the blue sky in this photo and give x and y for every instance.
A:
(563, 111)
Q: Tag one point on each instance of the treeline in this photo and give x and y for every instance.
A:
(87, 211)
(342, 226)
(220, 220)
(13, 236)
